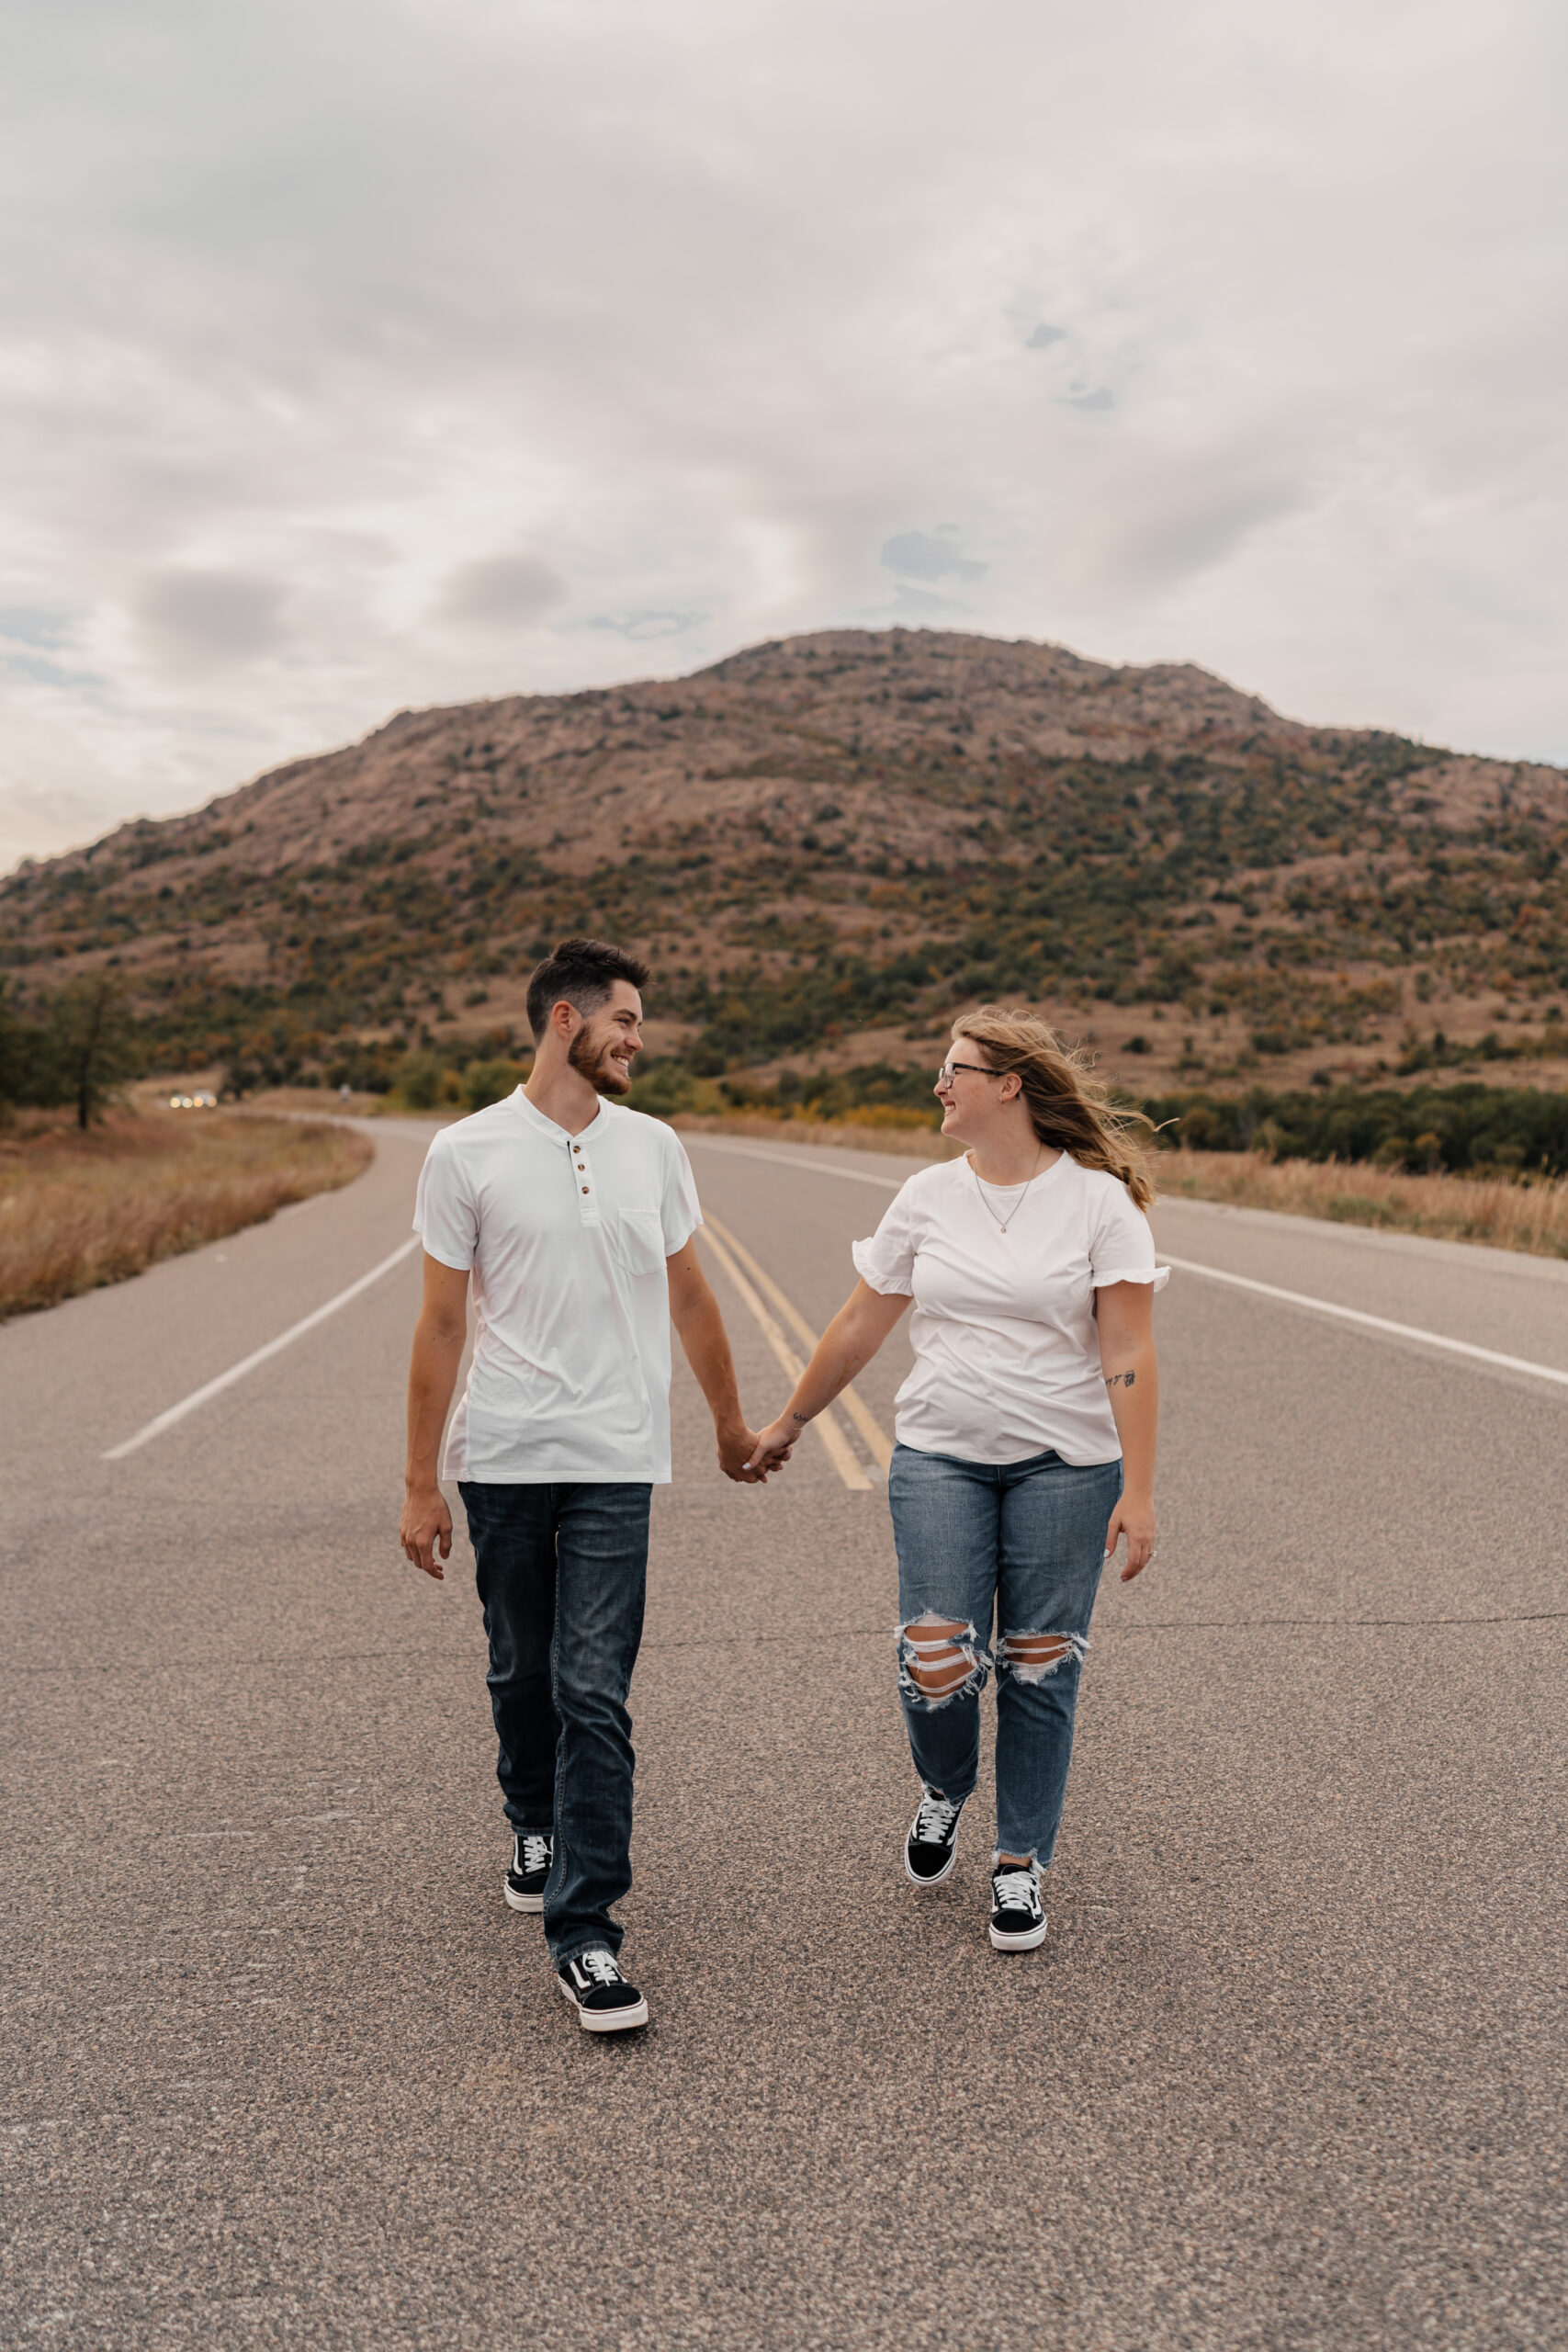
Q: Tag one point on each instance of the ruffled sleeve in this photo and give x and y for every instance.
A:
(1122, 1244)
(886, 1261)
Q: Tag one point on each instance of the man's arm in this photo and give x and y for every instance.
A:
(694, 1311)
(438, 1337)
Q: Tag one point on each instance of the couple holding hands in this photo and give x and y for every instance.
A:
(1025, 1450)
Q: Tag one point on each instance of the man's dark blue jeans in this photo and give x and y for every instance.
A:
(562, 1572)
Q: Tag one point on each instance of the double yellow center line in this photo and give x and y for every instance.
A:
(761, 1295)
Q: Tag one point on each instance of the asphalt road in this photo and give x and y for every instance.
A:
(282, 2069)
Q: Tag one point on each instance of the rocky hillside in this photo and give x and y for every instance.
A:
(827, 844)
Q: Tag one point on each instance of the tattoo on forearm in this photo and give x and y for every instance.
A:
(1120, 1379)
(801, 1417)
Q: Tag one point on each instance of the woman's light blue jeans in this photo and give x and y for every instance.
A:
(1018, 1546)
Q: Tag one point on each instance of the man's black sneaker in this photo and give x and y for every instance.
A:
(605, 2002)
(1018, 1916)
(531, 1858)
(931, 1846)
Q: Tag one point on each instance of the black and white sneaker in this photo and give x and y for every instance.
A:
(532, 1853)
(605, 2002)
(932, 1847)
(1018, 1916)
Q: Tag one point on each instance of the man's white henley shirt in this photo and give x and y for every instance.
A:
(567, 1238)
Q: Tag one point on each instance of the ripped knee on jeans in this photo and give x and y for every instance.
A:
(941, 1658)
(1029, 1658)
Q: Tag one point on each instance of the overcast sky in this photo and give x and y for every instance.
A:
(359, 353)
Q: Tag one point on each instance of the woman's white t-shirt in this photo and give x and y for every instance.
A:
(1006, 1350)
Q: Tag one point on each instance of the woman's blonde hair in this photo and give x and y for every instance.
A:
(1069, 1109)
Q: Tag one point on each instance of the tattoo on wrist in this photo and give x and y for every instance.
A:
(801, 1417)
(1120, 1379)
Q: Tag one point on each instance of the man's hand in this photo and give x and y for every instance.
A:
(736, 1443)
(424, 1528)
(1134, 1517)
(426, 1524)
(772, 1446)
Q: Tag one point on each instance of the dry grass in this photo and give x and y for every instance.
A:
(77, 1210)
(1531, 1216)
(1505, 1214)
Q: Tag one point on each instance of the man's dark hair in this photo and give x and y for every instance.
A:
(583, 971)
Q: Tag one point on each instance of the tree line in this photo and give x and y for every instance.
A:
(1469, 1129)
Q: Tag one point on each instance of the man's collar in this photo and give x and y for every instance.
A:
(544, 1125)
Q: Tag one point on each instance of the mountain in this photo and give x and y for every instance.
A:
(825, 845)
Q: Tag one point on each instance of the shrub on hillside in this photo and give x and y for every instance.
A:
(484, 1082)
(432, 1081)
(424, 1082)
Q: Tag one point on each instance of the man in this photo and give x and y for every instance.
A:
(575, 1216)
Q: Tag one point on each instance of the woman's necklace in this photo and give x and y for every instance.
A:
(1002, 1222)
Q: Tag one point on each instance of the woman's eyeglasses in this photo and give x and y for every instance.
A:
(944, 1075)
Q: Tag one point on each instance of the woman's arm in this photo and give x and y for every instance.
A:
(1126, 1313)
(845, 1348)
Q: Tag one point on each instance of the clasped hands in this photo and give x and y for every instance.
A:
(751, 1456)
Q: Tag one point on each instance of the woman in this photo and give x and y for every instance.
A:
(1026, 1430)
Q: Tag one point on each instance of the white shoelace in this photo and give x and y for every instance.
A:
(1016, 1890)
(533, 1854)
(598, 1964)
(934, 1821)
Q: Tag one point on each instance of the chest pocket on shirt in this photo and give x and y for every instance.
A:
(638, 1239)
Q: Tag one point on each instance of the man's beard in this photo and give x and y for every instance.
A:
(604, 1076)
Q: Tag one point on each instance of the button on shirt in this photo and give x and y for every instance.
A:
(566, 1235)
(1006, 1349)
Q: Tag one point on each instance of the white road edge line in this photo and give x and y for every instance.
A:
(1374, 1322)
(1191, 1266)
(211, 1389)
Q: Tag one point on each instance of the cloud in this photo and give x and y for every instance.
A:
(924, 557)
(30, 624)
(506, 592)
(609, 340)
(1177, 535)
(199, 620)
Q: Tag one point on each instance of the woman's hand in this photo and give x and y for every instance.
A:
(1134, 1517)
(775, 1444)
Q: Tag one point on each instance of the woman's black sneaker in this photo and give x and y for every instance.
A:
(931, 1846)
(605, 2002)
(1018, 1916)
(531, 1855)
